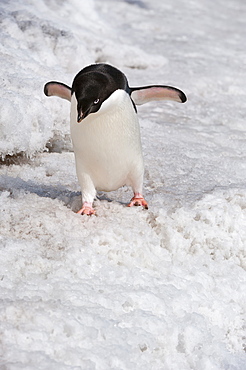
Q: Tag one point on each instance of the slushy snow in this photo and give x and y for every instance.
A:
(162, 289)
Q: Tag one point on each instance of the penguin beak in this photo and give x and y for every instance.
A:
(81, 114)
(80, 117)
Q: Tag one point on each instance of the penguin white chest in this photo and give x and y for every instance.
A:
(107, 144)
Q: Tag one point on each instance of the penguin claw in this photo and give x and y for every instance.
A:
(87, 210)
(138, 200)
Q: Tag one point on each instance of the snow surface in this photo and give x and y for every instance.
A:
(129, 289)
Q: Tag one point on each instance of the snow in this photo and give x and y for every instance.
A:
(128, 289)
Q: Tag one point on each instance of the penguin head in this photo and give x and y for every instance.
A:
(90, 92)
(92, 86)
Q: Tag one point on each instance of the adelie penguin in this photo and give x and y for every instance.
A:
(105, 130)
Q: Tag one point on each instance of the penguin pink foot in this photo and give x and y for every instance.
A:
(87, 210)
(138, 200)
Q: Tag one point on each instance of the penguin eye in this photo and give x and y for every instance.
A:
(96, 101)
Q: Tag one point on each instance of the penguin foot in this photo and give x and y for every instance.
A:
(87, 210)
(138, 200)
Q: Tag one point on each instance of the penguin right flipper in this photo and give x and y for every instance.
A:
(145, 94)
(59, 89)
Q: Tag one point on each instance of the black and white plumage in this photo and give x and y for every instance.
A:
(105, 130)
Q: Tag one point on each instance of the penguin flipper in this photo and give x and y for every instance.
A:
(59, 89)
(145, 94)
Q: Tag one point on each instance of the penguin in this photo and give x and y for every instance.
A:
(105, 130)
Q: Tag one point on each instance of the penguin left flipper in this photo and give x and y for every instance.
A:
(59, 89)
(145, 94)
